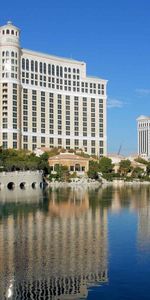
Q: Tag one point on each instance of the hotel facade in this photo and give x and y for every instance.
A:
(48, 101)
(143, 128)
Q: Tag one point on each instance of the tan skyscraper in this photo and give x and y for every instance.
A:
(143, 128)
(48, 101)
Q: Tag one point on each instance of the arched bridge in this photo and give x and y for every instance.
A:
(21, 179)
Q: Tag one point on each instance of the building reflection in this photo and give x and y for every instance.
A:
(137, 199)
(56, 251)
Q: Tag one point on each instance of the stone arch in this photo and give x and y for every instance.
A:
(34, 185)
(23, 185)
(11, 185)
(41, 185)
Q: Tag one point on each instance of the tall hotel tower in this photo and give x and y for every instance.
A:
(48, 101)
(143, 127)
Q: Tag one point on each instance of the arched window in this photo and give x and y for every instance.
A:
(41, 67)
(49, 69)
(65, 69)
(23, 64)
(7, 31)
(69, 70)
(3, 53)
(32, 65)
(44, 68)
(12, 32)
(12, 53)
(27, 64)
(57, 71)
(36, 66)
(53, 70)
(61, 72)
(7, 53)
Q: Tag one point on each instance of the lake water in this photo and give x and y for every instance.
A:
(75, 244)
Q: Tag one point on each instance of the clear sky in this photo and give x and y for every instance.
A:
(111, 36)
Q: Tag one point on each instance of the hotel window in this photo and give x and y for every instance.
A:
(25, 146)
(92, 117)
(34, 139)
(36, 66)
(53, 70)
(32, 66)
(49, 69)
(25, 108)
(76, 142)
(59, 113)
(5, 136)
(14, 136)
(42, 140)
(15, 145)
(27, 64)
(84, 116)
(25, 138)
(42, 112)
(41, 67)
(67, 142)
(61, 72)
(44, 68)
(59, 141)
(5, 145)
(84, 142)
(51, 115)
(101, 151)
(34, 146)
(93, 151)
(57, 71)
(14, 108)
(51, 140)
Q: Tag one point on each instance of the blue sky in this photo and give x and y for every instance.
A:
(111, 36)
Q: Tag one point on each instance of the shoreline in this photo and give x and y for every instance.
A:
(96, 184)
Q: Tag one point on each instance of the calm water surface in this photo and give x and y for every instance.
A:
(75, 244)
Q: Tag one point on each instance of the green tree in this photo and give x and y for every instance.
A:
(125, 167)
(137, 172)
(62, 173)
(148, 169)
(105, 165)
(141, 161)
(93, 169)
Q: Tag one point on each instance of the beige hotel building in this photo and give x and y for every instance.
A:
(48, 101)
(143, 130)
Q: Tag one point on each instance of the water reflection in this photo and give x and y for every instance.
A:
(54, 245)
(53, 250)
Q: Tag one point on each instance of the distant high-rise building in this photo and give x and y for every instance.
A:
(48, 101)
(143, 127)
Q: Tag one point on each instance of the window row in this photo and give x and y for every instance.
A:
(10, 31)
(44, 68)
